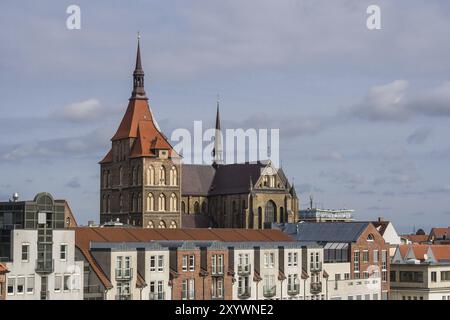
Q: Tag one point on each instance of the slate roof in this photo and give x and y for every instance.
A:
(205, 180)
(330, 231)
(196, 179)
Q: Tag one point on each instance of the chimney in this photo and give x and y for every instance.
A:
(91, 223)
(380, 219)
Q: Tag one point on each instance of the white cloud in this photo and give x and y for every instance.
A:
(83, 111)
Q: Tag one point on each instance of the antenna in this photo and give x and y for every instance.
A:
(311, 201)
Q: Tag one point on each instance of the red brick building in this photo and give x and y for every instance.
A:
(3, 272)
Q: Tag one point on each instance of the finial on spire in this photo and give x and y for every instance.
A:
(217, 151)
(138, 75)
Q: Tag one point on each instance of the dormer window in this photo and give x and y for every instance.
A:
(370, 237)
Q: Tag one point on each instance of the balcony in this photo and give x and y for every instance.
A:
(124, 296)
(293, 289)
(269, 291)
(124, 273)
(244, 293)
(244, 269)
(315, 266)
(316, 287)
(44, 265)
(157, 296)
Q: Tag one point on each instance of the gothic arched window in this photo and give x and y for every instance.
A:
(162, 202)
(162, 225)
(150, 176)
(173, 176)
(173, 202)
(196, 207)
(162, 175)
(270, 212)
(173, 224)
(150, 202)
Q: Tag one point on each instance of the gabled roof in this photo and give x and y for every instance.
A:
(416, 238)
(330, 231)
(439, 233)
(425, 253)
(381, 226)
(149, 138)
(85, 235)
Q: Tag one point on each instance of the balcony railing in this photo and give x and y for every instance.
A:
(269, 291)
(124, 296)
(44, 265)
(244, 293)
(244, 269)
(293, 289)
(316, 287)
(157, 296)
(124, 273)
(315, 266)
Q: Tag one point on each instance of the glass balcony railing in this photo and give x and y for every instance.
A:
(157, 296)
(269, 291)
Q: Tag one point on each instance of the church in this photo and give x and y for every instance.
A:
(145, 184)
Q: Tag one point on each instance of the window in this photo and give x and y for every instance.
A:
(184, 263)
(66, 282)
(30, 284)
(191, 262)
(162, 202)
(63, 252)
(58, 280)
(445, 275)
(433, 276)
(269, 259)
(346, 276)
(375, 256)
(375, 296)
(20, 285)
(365, 256)
(184, 290)
(217, 264)
(11, 285)
(152, 263)
(191, 289)
(356, 261)
(160, 263)
(411, 276)
(370, 237)
(393, 275)
(173, 202)
(292, 259)
(162, 176)
(350, 298)
(150, 202)
(173, 176)
(25, 252)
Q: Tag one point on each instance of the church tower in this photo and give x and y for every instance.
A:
(140, 175)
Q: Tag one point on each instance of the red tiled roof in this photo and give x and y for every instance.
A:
(440, 232)
(85, 235)
(137, 110)
(108, 158)
(416, 238)
(440, 252)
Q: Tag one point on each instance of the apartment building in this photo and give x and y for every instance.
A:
(188, 264)
(439, 235)
(421, 272)
(354, 253)
(3, 272)
(38, 251)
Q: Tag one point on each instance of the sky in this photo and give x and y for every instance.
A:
(363, 114)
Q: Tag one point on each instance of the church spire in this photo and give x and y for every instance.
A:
(138, 76)
(217, 151)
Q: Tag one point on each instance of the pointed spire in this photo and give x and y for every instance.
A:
(138, 75)
(217, 151)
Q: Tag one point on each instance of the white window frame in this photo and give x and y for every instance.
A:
(152, 263)
(65, 251)
(160, 263)
(27, 245)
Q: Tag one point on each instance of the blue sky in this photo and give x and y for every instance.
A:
(363, 115)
